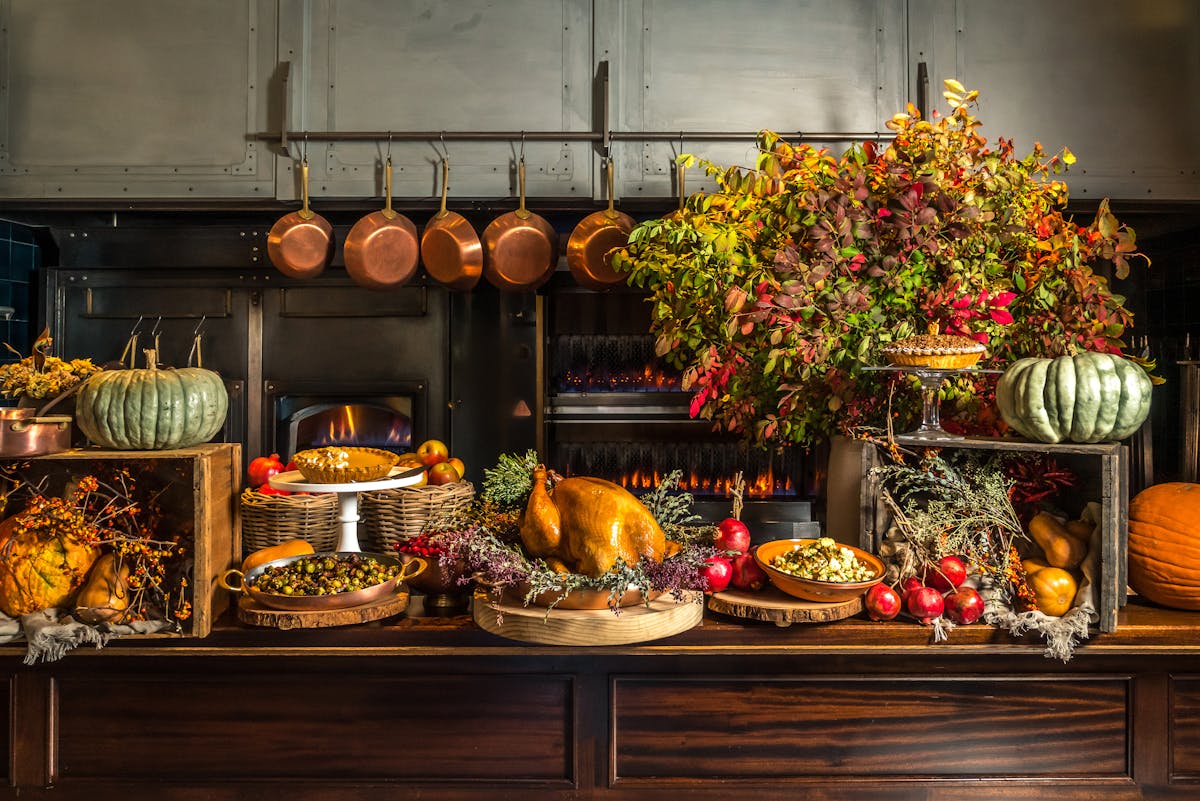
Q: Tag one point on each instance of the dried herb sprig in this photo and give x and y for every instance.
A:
(509, 483)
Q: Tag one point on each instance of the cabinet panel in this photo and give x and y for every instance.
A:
(6, 695)
(1185, 728)
(132, 99)
(1110, 79)
(784, 728)
(314, 727)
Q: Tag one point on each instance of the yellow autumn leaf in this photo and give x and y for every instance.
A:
(953, 98)
(954, 86)
(1067, 156)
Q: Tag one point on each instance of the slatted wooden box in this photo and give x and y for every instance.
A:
(199, 493)
(1103, 471)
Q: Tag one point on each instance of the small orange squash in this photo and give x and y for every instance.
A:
(1164, 550)
(1054, 589)
(284, 549)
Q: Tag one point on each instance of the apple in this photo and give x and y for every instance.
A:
(882, 602)
(717, 573)
(458, 465)
(949, 573)
(925, 604)
(432, 451)
(262, 468)
(747, 575)
(267, 489)
(410, 460)
(964, 605)
(732, 535)
(443, 473)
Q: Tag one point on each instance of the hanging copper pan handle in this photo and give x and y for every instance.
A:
(520, 248)
(381, 249)
(450, 248)
(590, 248)
(300, 243)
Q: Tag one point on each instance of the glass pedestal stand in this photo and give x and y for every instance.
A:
(931, 379)
(293, 481)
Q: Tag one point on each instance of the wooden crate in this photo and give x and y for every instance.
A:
(203, 483)
(1103, 470)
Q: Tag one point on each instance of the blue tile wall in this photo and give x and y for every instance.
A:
(20, 258)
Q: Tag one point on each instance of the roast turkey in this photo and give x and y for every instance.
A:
(585, 524)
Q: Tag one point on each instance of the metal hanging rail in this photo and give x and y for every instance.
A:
(567, 136)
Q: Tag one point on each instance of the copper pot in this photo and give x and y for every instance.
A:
(300, 243)
(23, 432)
(520, 248)
(381, 248)
(450, 248)
(590, 248)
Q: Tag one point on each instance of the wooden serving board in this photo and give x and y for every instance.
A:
(638, 623)
(251, 613)
(776, 606)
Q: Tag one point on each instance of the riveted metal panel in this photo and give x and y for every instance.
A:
(1113, 80)
(136, 98)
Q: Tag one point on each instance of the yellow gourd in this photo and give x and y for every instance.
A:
(1054, 589)
(1080, 529)
(284, 549)
(105, 596)
(1061, 549)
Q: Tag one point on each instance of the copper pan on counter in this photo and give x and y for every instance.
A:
(381, 248)
(520, 248)
(450, 248)
(300, 243)
(590, 248)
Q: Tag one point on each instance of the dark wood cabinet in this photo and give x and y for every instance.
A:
(438, 709)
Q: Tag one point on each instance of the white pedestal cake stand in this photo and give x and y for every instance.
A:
(293, 481)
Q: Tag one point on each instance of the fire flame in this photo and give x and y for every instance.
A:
(344, 429)
(649, 378)
(764, 485)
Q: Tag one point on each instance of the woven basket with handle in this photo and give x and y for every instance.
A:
(391, 516)
(271, 519)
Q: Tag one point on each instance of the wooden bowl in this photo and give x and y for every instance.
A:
(811, 589)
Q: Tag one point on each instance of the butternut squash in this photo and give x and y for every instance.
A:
(296, 547)
(1054, 589)
(105, 595)
(1080, 529)
(1061, 549)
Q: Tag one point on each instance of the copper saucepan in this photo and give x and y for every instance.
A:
(589, 250)
(300, 243)
(520, 248)
(381, 248)
(450, 248)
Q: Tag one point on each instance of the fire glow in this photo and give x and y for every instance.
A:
(645, 379)
(363, 425)
(764, 485)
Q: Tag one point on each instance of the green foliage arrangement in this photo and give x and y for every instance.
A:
(773, 292)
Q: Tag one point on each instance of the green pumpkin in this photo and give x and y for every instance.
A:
(151, 409)
(1087, 397)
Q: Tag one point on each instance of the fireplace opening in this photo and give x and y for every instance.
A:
(387, 420)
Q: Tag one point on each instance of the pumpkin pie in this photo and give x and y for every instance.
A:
(934, 350)
(337, 464)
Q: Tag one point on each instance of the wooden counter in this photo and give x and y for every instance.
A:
(438, 709)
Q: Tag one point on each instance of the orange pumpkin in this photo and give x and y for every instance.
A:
(38, 572)
(1164, 551)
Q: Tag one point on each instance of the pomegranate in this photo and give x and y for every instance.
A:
(882, 602)
(262, 468)
(964, 605)
(267, 489)
(717, 573)
(948, 574)
(747, 575)
(908, 585)
(732, 535)
(925, 604)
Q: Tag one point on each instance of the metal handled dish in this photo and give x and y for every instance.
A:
(397, 572)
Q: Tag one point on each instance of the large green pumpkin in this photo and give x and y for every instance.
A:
(150, 410)
(1087, 397)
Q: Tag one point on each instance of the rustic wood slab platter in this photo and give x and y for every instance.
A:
(638, 623)
(251, 613)
(773, 605)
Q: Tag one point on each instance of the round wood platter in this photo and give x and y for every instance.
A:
(663, 617)
(251, 613)
(776, 606)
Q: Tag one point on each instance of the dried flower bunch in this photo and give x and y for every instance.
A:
(774, 291)
(40, 375)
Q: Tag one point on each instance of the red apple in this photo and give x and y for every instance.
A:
(732, 535)
(443, 473)
(433, 451)
(717, 573)
(964, 605)
(747, 575)
(925, 604)
(949, 573)
(882, 602)
(262, 468)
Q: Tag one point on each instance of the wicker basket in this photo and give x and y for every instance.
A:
(271, 519)
(393, 515)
